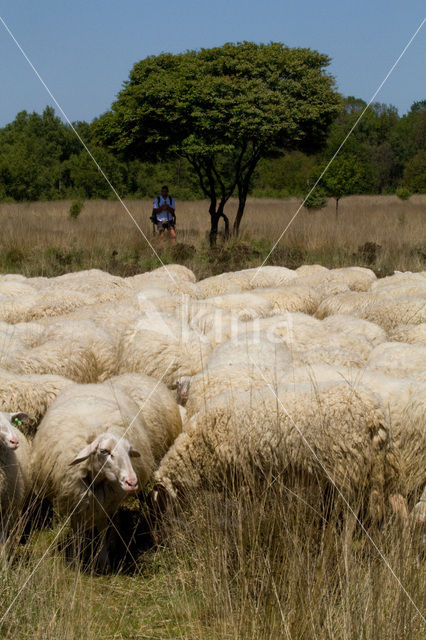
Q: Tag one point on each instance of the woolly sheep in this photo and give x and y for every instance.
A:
(269, 276)
(161, 346)
(400, 359)
(15, 471)
(235, 366)
(90, 452)
(291, 298)
(252, 432)
(346, 324)
(357, 278)
(218, 286)
(159, 411)
(33, 393)
(89, 335)
(42, 304)
(70, 359)
(410, 333)
(404, 403)
(246, 305)
(27, 332)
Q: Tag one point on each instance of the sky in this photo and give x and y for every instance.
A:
(84, 49)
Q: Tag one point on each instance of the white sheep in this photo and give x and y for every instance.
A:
(15, 471)
(244, 305)
(90, 452)
(219, 285)
(159, 411)
(411, 333)
(87, 334)
(330, 436)
(399, 359)
(236, 365)
(33, 393)
(69, 359)
(290, 298)
(346, 324)
(160, 345)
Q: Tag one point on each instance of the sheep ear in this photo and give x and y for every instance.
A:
(133, 453)
(18, 416)
(85, 453)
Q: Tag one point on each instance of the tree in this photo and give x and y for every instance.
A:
(223, 109)
(346, 175)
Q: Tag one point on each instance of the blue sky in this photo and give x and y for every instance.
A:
(84, 50)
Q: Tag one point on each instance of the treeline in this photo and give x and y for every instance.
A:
(41, 158)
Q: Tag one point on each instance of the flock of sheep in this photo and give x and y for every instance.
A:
(107, 383)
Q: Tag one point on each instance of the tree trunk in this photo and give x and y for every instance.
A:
(243, 189)
(238, 217)
(215, 215)
(337, 208)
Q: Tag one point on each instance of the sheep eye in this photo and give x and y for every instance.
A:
(105, 452)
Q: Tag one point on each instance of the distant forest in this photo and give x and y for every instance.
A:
(41, 158)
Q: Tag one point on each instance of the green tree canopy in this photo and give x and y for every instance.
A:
(223, 109)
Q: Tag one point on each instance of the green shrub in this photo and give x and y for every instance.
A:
(76, 208)
(403, 193)
(316, 200)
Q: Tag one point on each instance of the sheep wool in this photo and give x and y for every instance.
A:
(333, 435)
(75, 419)
(15, 472)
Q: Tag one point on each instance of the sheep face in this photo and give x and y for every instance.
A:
(8, 435)
(109, 457)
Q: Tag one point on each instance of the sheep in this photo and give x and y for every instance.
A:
(218, 286)
(15, 471)
(43, 304)
(87, 334)
(161, 346)
(90, 452)
(268, 276)
(404, 403)
(391, 312)
(246, 305)
(330, 288)
(357, 278)
(243, 352)
(173, 272)
(27, 332)
(159, 411)
(346, 324)
(400, 359)
(290, 298)
(236, 365)
(350, 303)
(410, 333)
(69, 359)
(33, 393)
(332, 436)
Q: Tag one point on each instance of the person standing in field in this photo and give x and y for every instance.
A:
(164, 212)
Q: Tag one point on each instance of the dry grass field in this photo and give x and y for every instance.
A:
(260, 564)
(381, 232)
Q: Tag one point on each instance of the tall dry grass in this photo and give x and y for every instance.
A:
(238, 564)
(41, 238)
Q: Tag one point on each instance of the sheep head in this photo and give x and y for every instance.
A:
(182, 386)
(8, 435)
(110, 460)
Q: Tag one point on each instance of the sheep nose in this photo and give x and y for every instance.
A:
(131, 485)
(14, 443)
